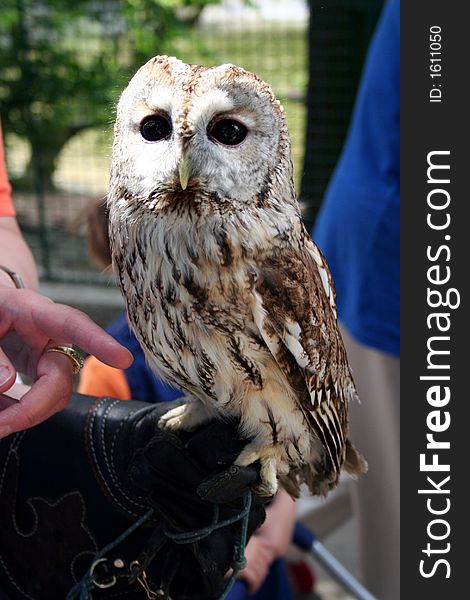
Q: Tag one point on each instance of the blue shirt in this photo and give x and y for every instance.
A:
(358, 225)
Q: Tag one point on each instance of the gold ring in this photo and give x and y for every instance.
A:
(71, 354)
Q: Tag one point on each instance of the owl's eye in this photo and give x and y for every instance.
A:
(155, 128)
(228, 132)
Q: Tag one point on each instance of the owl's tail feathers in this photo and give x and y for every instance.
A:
(354, 463)
(313, 475)
(319, 476)
(291, 485)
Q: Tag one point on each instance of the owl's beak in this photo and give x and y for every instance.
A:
(184, 169)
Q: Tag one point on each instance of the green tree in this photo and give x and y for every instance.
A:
(63, 62)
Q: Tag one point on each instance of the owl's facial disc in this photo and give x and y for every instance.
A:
(213, 133)
(221, 130)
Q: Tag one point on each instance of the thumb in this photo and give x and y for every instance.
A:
(7, 373)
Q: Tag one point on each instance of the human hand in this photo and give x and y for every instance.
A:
(30, 324)
(270, 541)
(259, 555)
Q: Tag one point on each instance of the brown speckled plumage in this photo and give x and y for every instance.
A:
(228, 295)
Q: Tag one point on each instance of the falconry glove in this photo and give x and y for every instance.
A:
(98, 502)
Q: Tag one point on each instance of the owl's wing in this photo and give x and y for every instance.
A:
(295, 312)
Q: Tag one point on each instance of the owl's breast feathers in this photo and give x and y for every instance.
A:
(227, 322)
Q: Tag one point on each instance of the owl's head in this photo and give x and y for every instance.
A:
(216, 129)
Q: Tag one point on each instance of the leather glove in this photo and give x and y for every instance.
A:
(72, 488)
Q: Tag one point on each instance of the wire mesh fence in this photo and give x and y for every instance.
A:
(63, 64)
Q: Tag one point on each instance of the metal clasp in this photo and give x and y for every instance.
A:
(143, 580)
(101, 584)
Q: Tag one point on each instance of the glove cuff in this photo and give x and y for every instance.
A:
(113, 434)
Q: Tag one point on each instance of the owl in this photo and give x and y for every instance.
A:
(229, 297)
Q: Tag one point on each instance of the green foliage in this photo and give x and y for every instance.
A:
(63, 62)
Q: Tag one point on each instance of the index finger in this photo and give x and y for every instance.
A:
(69, 325)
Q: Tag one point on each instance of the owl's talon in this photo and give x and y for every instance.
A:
(166, 420)
(268, 471)
(265, 490)
(187, 417)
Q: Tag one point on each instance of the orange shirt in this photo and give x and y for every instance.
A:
(6, 205)
(98, 379)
